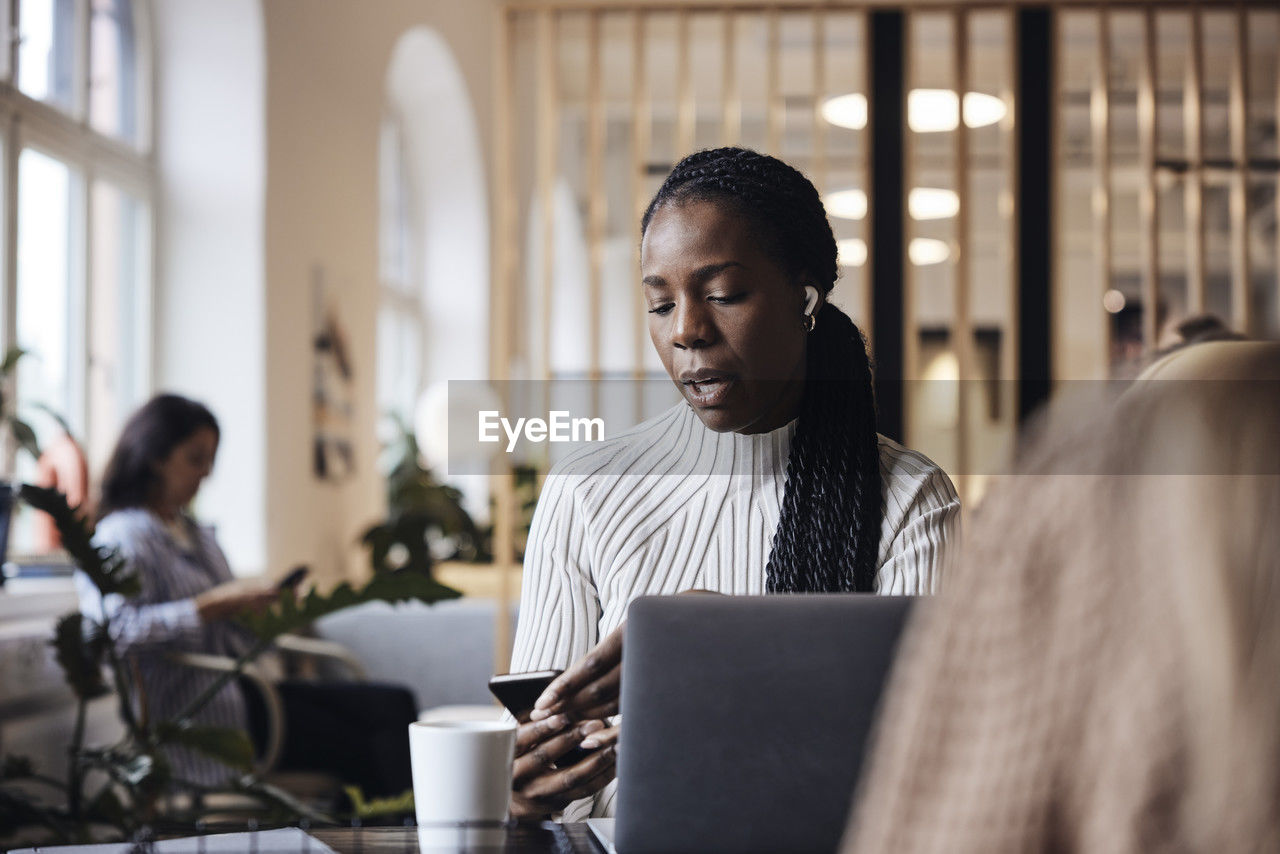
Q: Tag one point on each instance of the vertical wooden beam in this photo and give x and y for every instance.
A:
(548, 143)
(731, 124)
(1034, 222)
(597, 203)
(1241, 290)
(1276, 318)
(1193, 188)
(819, 132)
(773, 98)
(868, 178)
(1148, 142)
(1100, 122)
(640, 131)
(886, 121)
(686, 116)
(1010, 347)
(963, 324)
(501, 326)
(910, 148)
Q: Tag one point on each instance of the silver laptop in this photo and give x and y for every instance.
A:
(746, 719)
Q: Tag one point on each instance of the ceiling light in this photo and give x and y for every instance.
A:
(922, 202)
(981, 109)
(851, 252)
(932, 203)
(846, 111)
(928, 110)
(1113, 301)
(924, 251)
(933, 110)
(846, 204)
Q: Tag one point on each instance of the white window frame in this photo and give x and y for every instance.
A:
(27, 123)
(400, 290)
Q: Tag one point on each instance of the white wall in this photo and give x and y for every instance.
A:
(327, 69)
(267, 142)
(211, 291)
(447, 173)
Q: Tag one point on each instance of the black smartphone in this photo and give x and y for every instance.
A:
(293, 579)
(519, 691)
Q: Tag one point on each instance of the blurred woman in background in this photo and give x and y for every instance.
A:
(164, 453)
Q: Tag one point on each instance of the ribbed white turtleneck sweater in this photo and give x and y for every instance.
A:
(671, 505)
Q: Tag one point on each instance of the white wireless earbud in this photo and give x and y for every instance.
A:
(810, 300)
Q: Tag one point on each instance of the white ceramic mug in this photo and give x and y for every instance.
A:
(461, 781)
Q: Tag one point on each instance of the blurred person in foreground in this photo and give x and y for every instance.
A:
(1101, 673)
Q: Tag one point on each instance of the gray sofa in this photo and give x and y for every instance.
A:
(443, 652)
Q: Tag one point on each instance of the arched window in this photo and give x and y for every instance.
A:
(75, 136)
(433, 313)
(400, 309)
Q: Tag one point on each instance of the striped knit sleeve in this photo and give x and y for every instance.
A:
(559, 605)
(927, 525)
(139, 622)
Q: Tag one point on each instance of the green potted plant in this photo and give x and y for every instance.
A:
(421, 512)
(119, 788)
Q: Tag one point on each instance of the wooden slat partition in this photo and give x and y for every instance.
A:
(686, 117)
(641, 117)
(1148, 200)
(818, 174)
(502, 328)
(962, 325)
(743, 21)
(1193, 190)
(1100, 120)
(773, 106)
(597, 204)
(548, 147)
(1241, 293)
(731, 124)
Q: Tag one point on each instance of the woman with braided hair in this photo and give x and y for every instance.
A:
(769, 476)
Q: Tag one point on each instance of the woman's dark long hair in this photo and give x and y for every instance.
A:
(148, 438)
(829, 532)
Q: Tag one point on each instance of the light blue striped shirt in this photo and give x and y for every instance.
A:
(162, 619)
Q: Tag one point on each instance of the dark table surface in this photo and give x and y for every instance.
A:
(546, 838)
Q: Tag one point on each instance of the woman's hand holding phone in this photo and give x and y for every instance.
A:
(590, 687)
(541, 786)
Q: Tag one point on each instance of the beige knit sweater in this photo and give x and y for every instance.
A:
(1102, 671)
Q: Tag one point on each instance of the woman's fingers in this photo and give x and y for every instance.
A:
(527, 808)
(529, 734)
(541, 756)
(577, 781)
(604, 737)
(602, 664)
(605, 770)
(598, 699)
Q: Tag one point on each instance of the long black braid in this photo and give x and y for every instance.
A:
(828, 536)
